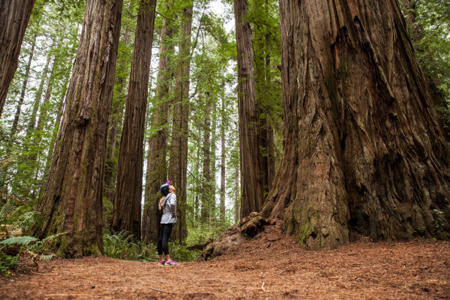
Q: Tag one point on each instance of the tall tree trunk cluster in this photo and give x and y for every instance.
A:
(252, 186)
(72, 201)
(157, 154)
(179, 143)
(363, 153)
(257, 95)
(128, 194)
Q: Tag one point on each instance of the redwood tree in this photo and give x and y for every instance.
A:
(14, 17)
(179, 142)
(157, 153)
(127, 198)
(252, 185)
(72, 201)
(363, 153)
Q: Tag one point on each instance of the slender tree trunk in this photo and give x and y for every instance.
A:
(72, 201)
(128, 194)
(115, 120)
(179, 143)
(197, 212)
(37, 101)
(222, 162)
(115, 125)
(24, 88)
(206, 185)
(362, 150)
(236, 195)
(157, 153)
(251, 182)
(14, 17)
(55, 128)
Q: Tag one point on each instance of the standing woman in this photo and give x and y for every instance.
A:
(168, 205)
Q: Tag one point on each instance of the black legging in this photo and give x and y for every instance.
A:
(163, 238)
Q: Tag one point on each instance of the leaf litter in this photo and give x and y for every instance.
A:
(257, 269)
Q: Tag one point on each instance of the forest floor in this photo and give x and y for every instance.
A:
(259, 269)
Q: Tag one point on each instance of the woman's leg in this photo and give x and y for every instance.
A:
(165, 239)
(160, 241)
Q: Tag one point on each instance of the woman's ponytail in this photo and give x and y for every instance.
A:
(161, 201)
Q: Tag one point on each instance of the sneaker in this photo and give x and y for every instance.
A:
(161, 263)
(172, 263)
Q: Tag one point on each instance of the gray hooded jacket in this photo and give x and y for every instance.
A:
(169, 209)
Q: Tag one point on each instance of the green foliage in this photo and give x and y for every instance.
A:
(122, 246)
(7, 262)
(30, 248)
(441, 223)
(20, 240)
(204, 233)
(429, 31)
(56, 27)
(18, 215)
(182, 253)
(430, 34)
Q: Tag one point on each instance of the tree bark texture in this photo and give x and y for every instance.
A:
(14, 17)
(113, 146)
(222, 162)
(207, 194)
(236, 196)
(363, 153)
(72, 201)
(179, 142)
(264, 95)
(115, 122)
(252, 187)
(157, 153)
(128, 194)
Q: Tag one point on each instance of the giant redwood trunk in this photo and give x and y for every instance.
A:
(362, 151)
(252, 186)
(14, 17)
(72, 201)
(157, 153)
(127, 198)
(179, 142)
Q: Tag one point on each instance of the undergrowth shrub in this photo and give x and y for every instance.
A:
(204, 234)
(7, 263)
(18, 216)
(122, 246)
(182, 253)
(24, 249)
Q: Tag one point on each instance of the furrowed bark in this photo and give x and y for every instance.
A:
(72, 201)
(128, 194)
(14, 17)
(156, 162)
(363, 153)
(252, 186)
(179, 143)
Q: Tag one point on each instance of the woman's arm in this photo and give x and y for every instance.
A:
(173, 206)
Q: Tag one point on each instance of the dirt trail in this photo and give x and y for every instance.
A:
(410, 270)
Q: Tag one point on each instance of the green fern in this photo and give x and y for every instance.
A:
(20, 240)
(46, 257)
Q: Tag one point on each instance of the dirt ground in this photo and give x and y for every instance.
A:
(258, 270)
